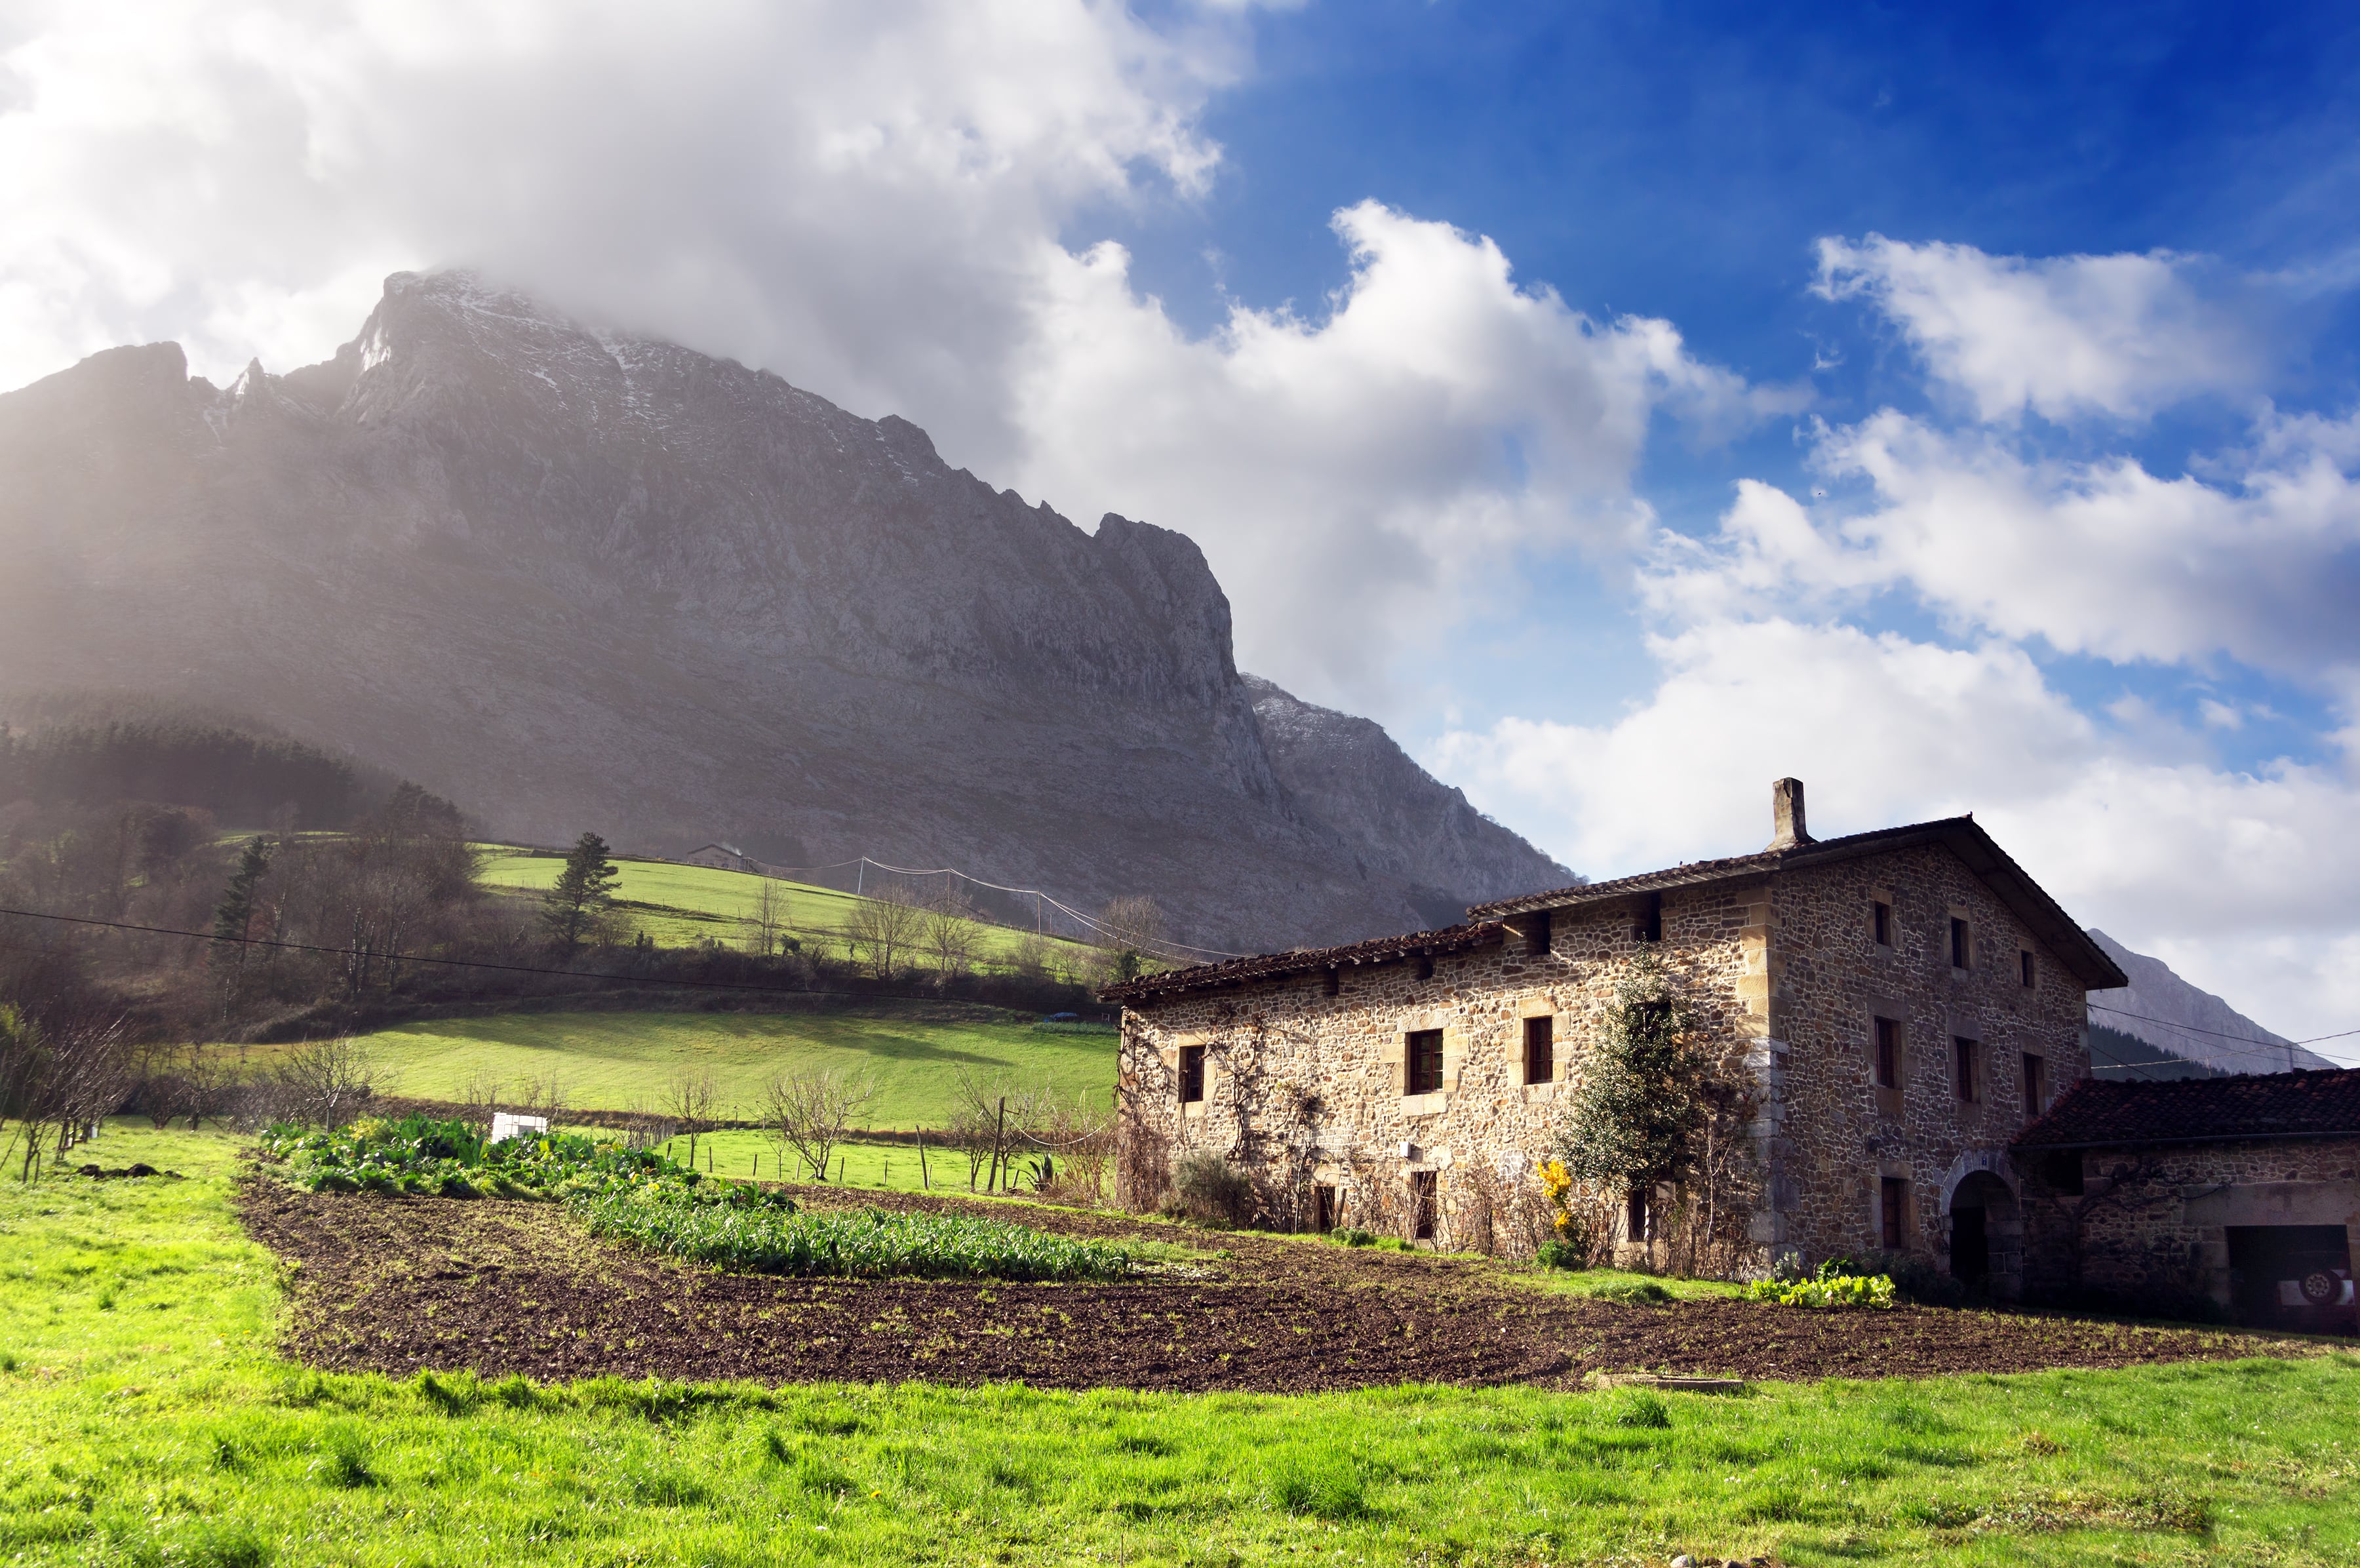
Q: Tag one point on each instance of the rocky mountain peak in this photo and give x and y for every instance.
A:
(576, 578)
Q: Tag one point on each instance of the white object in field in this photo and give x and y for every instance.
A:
(506, 1125)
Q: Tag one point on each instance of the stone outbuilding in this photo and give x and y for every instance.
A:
(2243, 1193)
(1893, 1008)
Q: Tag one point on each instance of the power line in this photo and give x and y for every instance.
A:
(2223, 1034)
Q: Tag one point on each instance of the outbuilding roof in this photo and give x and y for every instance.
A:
(1307, 961)
(1982, 855)
(2110, 1113)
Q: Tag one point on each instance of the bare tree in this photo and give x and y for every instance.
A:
(1074, 1139)
(481, 1096)
(811, 1112)
(948, 933)
(209, 1079)
(881, 931)
(688, 1102)
(1131, 930)
(763, 926)
(326, 1083)
(1032, 956)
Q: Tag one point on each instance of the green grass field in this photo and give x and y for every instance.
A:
(617, 1060)
(680, 906)
(146, 1418)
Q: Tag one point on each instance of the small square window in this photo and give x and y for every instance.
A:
(1538, 933)
(1880, 919)
(2024, 968)
(1962, 1063)
(1540, 1049)
(1191, 1073)
(1425, 1061)
(1892, 1208)
(1888, 1053)
(1425, 966)
(1961, 946)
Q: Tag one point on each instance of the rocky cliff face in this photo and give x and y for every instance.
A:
(1391, 815)
(572, 579)
(2160, 1009)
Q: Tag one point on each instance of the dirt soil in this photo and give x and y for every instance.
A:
(400, 1285)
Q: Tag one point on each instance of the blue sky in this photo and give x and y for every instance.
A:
(1954, 407)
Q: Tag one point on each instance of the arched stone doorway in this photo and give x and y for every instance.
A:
(1987, 1236)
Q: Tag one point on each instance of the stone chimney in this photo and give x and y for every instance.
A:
(1786, 814)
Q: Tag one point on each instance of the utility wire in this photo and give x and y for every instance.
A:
(2223, 1034)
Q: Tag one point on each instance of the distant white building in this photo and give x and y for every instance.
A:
(722, 858)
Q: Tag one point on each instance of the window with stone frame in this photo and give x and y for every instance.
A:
(1888, 1053)
(1880, 922)
(2036, 1084)
(1192, 1074)
(1963, 944)
(1422, 1057)
(1893, 1209)
(1323, 1208)
(2027, 970)
(1540, 1049)
(1962, 1068)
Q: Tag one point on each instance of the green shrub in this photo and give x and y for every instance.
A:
(1562, 1255)
(865, 1243)
(1211, 1190)
(1356, 1237)
(1632, 1292)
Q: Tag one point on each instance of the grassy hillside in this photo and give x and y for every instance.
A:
(678, 906)
(615, 1061)
(146, 1416)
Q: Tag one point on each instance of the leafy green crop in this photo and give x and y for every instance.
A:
(639, 1196)
(1827, 1287)
(865, 1243)
(424, 1157)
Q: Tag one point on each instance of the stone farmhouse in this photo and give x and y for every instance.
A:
(1897, 1005)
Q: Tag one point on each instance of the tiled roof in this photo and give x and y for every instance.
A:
(1981, 854)
(1306, 960)
(2111, 1113)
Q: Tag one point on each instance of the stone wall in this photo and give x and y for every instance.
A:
(1483, 1134)
(1839, 1136)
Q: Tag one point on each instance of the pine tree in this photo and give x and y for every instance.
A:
(1645, 1088)
(575, 906)
(234, 916)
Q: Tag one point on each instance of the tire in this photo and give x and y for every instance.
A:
(2318, 1287)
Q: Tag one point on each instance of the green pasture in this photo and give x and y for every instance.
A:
(622, 1061)
(147, 1417)
(681, 906)
(887, 1167)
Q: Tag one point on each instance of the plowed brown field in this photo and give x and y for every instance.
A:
(401, 1285)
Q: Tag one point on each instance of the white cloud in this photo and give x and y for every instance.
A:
(2248, 884)
(856, 196)
(2260, 565)
(874, 201)
(2063, 336)
(1354, 477)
